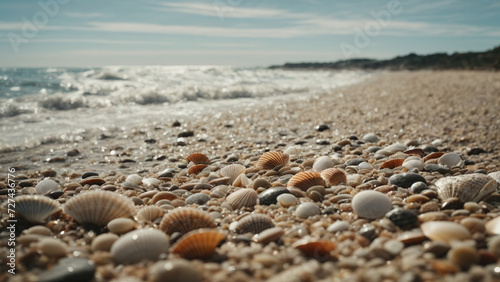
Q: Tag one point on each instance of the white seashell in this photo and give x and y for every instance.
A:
(242, 198)
(371, 204)
(445, 231)
(468, 187)
(242, 181)
(365, 165)
(322, 163)
(121, 225)
(35, 208)
(286, 200)
(450, 160)
(307, 209)
(139, 245)
(45, 186)
(412, 163)
(151, 181)
(397, 147)
(103, 242)
(232, 171)
(293, 150)
(495, 175)
(493, 226)
(134, 178)
(52, 247)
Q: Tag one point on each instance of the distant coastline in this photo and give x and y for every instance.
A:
(487, 60)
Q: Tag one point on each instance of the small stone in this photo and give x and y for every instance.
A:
(174, 270)
(439, 249)
(269, 196)
(103, 242)
(186, 133)
(418, 187)
(354, 162)
(405, 180)
(436, 168)
(368, 231)
(198, 198)
(56, 160)
(89, 174)
(394, 247)
(70, 269)
(48, 173)
(72, 153)
(121, 225)
(463, 256)
(475, 151)
(39, 230)
(176, 124)
(494, 245)
(322, 127)
(323, 142)
(52, 247)
(475, 225)
(472, 207)
(338, 226)
(402, 217)
(286, 200)
(150, 141)
(370, 137)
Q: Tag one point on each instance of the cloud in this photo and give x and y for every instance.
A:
(84, 15)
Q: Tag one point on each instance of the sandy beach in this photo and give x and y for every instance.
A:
(391, 115)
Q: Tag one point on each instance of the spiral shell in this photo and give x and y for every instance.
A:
(232, 171)
(99, 207)
(334, 176)
(198, 158)
(138, 245)
(392, 163)
(270, 160)
(242, 198)
(254, 223)
(150, 213)
(35, 208)
(305, 180)
(198, 244)
(45, 186)
(184, 220)
(468, 188)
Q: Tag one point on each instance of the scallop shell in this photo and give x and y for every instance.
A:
(322, 163)
(198, 158)
(334, 176)
(307, 209)
(270, 160)
(198, 244)
(45, 186)
(445, 231)
(450, 160)
(232, 171)
(98, 207)
(184, 220)
(163, 195)
(468, 188)
(254, 223)
(415, 152)
(317, 249)
(242, 198)
(35, 208)
(195, 169)
(371, 204)
(434, 155)
(138, 245)
(306, 179)
(392, 163)
(150, 213)
(292, 150)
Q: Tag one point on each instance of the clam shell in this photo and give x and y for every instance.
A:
(98, 207)
(371, 204)
(195, 169)
(445, 231)
(307, 209)
(270, 160)
(468, 188)
(317, 249)
(334, 176)
(45, 186)
(184, 220)
(138, 245)
(254, 223)
(392, 163)
(242, 198)
(232, 171)
(450, 160)
(198, 158)
(322, 163)
(306, 179)
(35, 208)
(150, 213)
(198, 244)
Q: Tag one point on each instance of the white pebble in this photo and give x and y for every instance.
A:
(121, 225)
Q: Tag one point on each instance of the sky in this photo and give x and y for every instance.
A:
(243, 33)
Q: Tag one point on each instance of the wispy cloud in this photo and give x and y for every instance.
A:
(84, 15)
(97, 41)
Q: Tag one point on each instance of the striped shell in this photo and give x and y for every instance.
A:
(232, 171)
(317, 249)
(392, 163)
(163, 195)
(198, 244)
(468, 188)
(35, 208)
(45, 186)
(415, 152)
(184, 220)
(270, 160)
(434, 155)
(150, 213)
(322, 163)
(307, 209)
(198, 158)
(195, 169)
(254, 223)
(242, 198)
(138, 245)
(306, 179)
(98, 207)
(334, 176)
(371, 204)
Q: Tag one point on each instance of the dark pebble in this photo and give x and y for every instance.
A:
(70, 269)
(469, 162)
(418, 187)
(150, 141)
(127, 161)
(405, 180)
(268, 197)
(229, 125)
(89, 174)
(429, 149)
(323, 142)
(49, 173)
(322, 127)
(187, 133)
(55, 194)
(300, 142)
(180, 142)
(176, 124)
(337, 148)
(198, 198)
(436, 168)
(72, 153)
(56, 160)
(368, 231)
(354, 161)
(27, 183)
(475, 151)
(452, 204)
(401, 217)
(352, 137)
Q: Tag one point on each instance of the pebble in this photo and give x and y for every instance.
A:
(354, 162)
(52, 247)
(463, 256)
(72, 153)
(418, 187)
(322, 127)
(121, 225)
(198, 198)
(439, 249)
(70, 269)
(287, 200)
(494, 245)
(39, 230)
(338, 226)
(307, 209)
(370, 137)
(405, 180)
(103, 242)
(394, 247)
(402, 217)
(174, 270)
(89, 174)
(48, 173)
(436, 168)
(270, 196)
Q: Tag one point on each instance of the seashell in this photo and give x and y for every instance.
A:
(35, 208)
(254, 223)
(198, 244)
(415, 152)
(163, 195)
(434, 155)
(286, 200)
(413, 163)
(392, 163)
(445, 231)
(495, 175)
(371, 204)
(307, 209)
(242, 198)
(98, 207)
(334, 176)
(397, 147)
(322, 163)
(317, 249)
(306, 179)
(150, 181)
(45, 186)
(150, 213)
(365, 165)
(493, 226)
(232, 171)
(292, 150)
(121, 225)
(270, 160)
(184, 220)
(197, 168)
(198, 158)
(242, 181)
(174, 270)
(269, 235)
(468, 187)
(134, 178)
(450, 160)
(138, 245)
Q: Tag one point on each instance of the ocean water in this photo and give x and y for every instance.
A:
(40, 104)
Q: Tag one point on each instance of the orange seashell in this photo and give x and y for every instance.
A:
(317, 249)
(415, 152)
(198, 244)
(184, 220)
(270, 160)
(392, 163)
(434, 155)
(334, 176)
(306, 179)
(196, 168)
(163, 195)
(198, 158)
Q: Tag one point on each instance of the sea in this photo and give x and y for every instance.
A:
(43, 105)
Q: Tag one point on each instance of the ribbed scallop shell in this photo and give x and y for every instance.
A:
(306, 179)
(198, 158)
(317, 249)
(184, 220)
(35, 208)
(163, 195)
(232, 171)
(254, 223)
(434, 155)
(270, 160)
(195, 169)
(98, 207)
(468, 188)
(371, 204)
(198, 244)
(150, 213)
(334, 176)
(242, 198)
(45, 186)
(322, 163)
(138, 245)
(392, 163)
